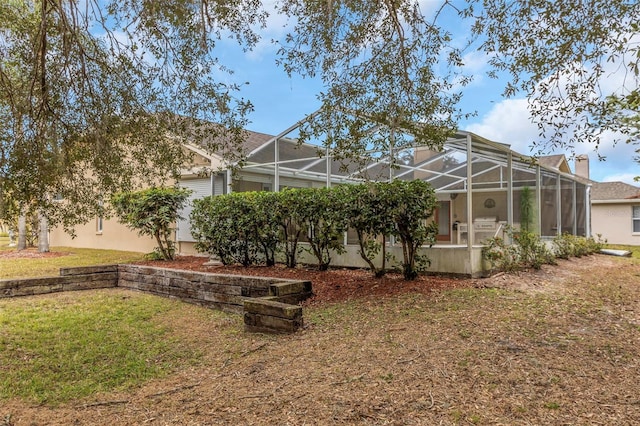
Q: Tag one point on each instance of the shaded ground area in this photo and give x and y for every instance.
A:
(557, 346)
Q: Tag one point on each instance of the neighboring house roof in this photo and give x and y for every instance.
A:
(255, 140)
(557, 162)
(614, 191)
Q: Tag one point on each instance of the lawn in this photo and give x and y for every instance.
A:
(4, 243)
(30, 263)
(65, 347)
(560, 346)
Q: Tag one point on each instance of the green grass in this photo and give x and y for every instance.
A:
(49, 266)
(56, 349)
(4, 243)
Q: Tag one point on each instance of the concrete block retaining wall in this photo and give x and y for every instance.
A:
(268, 304)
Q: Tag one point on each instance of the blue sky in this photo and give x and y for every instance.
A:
(281, 101)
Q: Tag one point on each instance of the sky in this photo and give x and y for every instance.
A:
(280, 101)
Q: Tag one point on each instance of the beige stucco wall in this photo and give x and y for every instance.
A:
(613, 221)
(114, 236)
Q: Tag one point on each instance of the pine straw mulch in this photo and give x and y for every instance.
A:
(556, 346)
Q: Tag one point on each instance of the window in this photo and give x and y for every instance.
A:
(636, 218)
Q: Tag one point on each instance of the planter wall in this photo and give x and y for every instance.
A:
(268, 304)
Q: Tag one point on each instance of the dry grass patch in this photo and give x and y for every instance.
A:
(30, 263)
(567, 353)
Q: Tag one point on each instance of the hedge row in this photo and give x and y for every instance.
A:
(251, 227)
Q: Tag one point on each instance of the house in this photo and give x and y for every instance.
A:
(615, 210)
(479, 183)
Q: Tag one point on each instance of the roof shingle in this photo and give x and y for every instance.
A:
(614, 191)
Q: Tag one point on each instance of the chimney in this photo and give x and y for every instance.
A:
(582, 166)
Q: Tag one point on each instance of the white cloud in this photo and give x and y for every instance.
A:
(509, 122)
(623, 177)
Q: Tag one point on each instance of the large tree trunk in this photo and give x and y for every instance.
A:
(43, 234)
(22, 231)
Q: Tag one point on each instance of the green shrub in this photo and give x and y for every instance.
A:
(567, 245)
(322, 218)
(527, 251)
(287, 213)
(249, 227)
(223, 226)
(412, 203)
(532, 251)
(501, 256)
(265, 225)
(367, 214)
(152, 212)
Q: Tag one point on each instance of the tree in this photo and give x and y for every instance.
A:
(287, 211)
(380, 62)
(562, 56)
(152, 212)
(323, 218)
(390, 67)
(93, 95)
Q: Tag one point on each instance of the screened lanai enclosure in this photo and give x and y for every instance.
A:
(480, 185)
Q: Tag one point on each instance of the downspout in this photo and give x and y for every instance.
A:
(539, 201)
(559, 204)
(510, 190)
(276, 162)
(587, 201)
(469, 199)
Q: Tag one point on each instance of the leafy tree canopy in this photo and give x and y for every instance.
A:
(400, 63)
(577, 62)
(92, 94)
(380, 62)
(89, 91)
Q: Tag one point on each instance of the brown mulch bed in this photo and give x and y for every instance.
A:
(337, 284)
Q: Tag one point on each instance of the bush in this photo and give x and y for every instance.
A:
(527, 251)
(567, 245)
(411, 204)
(368, 216)
(248, 227)
(152, 212)
(265, 225)
(223, 226)
(287, 213)
(322, 218)
(532, 251)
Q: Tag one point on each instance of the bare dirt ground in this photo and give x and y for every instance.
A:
(557, 346)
